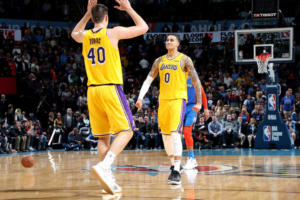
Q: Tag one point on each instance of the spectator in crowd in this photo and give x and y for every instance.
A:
(156, 138)
(58, 123)
(19, 137)
(296, 119)
(287, 104)
(149, 141)
(229, 136)
(219, 110)
(256, 114)
(251, 131)
(245, 116)
(50, 123)
(139, 133)
(234, 100)
(69, 123)
(215, 131)
(226, 98)
(249, 103)
(238, 129)
(3, 106)
(74, 140)
(4, 142)
(201, 134)
(19, 115)
(92, 142)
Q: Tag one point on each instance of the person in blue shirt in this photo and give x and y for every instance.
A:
(92, 142)
(287, 104)
(189, 120)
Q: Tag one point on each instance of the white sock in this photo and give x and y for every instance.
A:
(172, 160)
(109, 159)
(177, 165)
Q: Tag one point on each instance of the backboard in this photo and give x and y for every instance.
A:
(252, 42)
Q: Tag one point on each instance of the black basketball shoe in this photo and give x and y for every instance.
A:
(174, 178)
(172, 168)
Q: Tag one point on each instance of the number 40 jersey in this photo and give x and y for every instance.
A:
(101, 59)
(173, 80)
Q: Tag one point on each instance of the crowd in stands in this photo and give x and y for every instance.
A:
(166, 10)
(51, 85)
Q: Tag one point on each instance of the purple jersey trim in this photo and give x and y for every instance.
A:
(96, 30)
(180, 126)
(125, 106)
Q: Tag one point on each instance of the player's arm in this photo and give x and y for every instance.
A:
(205, 105)
(189, 67)
(151, 76)
(78, 32)
(119, 32)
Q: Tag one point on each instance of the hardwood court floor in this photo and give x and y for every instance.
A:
(222, 174)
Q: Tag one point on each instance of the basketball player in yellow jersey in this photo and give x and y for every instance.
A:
(173, 69)
(108, 108)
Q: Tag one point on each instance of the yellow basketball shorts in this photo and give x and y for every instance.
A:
(109, 111)
(171, 115)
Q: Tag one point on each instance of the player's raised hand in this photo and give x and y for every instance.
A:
(197, 107)
(139, 104)
(124, 5)
(90, 5)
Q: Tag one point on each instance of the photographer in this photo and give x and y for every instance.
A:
(296, 120)
(291, 126)
(201, 135)
(4, 144)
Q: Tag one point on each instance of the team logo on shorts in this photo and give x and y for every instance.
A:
(267, 133)
(159, 169)
(271, 102)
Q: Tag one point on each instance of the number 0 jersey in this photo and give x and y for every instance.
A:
(101, 59)
(173, 80)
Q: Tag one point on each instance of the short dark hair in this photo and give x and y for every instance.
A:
(98, 13)
(175, 35)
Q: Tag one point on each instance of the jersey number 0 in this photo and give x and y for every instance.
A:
(100, 52)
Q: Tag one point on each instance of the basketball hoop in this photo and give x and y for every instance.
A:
(262, 61)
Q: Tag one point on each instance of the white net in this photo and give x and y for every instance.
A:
(262, 64)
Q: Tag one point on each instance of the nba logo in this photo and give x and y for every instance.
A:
(267, 133)
(272, 102)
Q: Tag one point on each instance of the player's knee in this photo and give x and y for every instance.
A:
(130, 134)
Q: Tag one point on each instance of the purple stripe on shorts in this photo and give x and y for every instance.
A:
(182, 115)
(125, 105)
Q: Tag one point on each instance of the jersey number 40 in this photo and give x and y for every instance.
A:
(100, 53)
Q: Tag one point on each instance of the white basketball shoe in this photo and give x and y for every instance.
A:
(104, 176)
(191, 163)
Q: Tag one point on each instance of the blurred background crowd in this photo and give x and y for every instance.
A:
(51, 82)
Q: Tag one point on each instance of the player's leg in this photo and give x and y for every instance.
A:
(100, 128)
(168, 144)
(121, 123)
(120, 118)
(190, 117)
(171, 126)
(103, 146)
(163, 116)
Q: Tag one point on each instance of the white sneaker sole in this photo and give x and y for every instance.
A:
(119, 190)
(191, 166)
(103, 182)
(111, 197)
(174, 182)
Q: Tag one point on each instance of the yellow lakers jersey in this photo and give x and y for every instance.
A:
(173, 80)
(101, 59)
